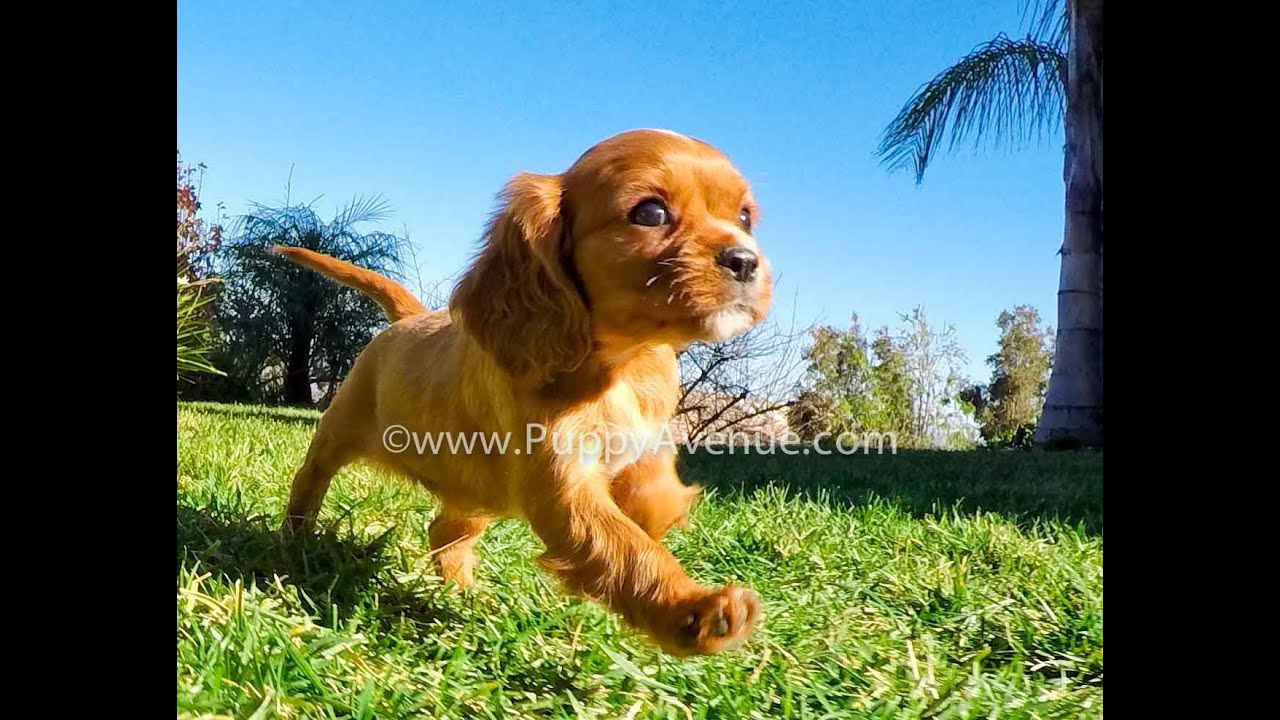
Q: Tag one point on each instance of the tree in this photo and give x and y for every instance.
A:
(739, 385)
(892, 385)
(906, 384)
(197, 242)
(1009, 408)
(1073, 405)
(1020, 88)
(932, 369)
(285, 328)
(838, 388)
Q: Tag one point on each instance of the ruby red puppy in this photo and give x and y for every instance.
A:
(569, 320)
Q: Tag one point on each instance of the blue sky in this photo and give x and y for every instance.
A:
(435, 105)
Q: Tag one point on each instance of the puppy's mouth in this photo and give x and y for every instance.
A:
(746, 302)
(729, 321)
(722, 296)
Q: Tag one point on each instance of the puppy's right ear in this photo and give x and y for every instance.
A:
(518, 300)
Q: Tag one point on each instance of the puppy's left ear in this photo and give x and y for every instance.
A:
(519, 300)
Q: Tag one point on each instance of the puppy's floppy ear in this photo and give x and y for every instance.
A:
(518, 300)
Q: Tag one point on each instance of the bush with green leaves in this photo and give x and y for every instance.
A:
(194, 328)
(903, 383)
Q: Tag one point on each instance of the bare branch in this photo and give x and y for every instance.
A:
(725, 386)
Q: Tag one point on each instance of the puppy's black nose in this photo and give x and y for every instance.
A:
(740, 261)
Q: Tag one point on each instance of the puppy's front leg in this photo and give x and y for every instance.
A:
(599, 552)
(650, 492)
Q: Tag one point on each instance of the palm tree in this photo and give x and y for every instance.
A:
(1012, 90)
(285, 328)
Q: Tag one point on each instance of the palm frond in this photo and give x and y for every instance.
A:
(1046, 20)
(1004, 90)
(362, 210)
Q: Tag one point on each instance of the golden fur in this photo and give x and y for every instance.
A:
(570, 318)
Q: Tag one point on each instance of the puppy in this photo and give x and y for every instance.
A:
(566, 326)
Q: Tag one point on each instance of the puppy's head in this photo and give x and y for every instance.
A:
(646, 238)
(662, 227)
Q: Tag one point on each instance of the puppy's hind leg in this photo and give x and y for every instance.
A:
(330, 450)
(454, 535)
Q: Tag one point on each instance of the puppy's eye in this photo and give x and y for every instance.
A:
(744, 217)
(650, 213)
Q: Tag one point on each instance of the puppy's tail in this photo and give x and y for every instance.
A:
(396, 301)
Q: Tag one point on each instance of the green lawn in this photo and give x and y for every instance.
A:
(925, 584)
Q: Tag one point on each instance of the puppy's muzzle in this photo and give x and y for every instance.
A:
(739, 261)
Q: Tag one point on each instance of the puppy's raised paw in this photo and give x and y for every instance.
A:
(718, 621)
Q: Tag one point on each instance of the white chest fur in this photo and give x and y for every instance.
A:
(613, 433)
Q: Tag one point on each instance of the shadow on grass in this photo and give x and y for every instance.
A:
(336, 574)
(283, 414)
(547, 679)
(1023, 485)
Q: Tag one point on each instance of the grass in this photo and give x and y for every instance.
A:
(947, 585)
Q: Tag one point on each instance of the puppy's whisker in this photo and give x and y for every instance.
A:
(670, 297)
(652, 280)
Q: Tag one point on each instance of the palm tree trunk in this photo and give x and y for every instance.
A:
(297, 372)
(1073, 402)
